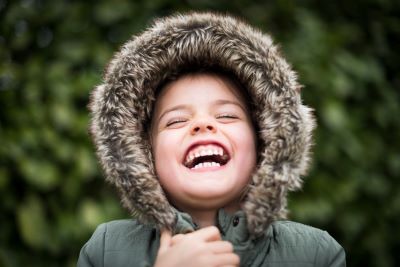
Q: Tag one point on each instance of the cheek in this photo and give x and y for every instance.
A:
(165, 154)
(246, 140)
(247, 152)
(161, 142)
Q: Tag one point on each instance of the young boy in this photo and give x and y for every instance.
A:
(200, 125)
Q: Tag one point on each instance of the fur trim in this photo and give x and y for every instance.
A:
(121, 107)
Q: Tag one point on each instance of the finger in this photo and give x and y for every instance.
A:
(210, 233)
(226, 259)
(165, 241)
(220, 247)
(177, 238)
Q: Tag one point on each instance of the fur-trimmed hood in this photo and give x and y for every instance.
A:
(122, 105)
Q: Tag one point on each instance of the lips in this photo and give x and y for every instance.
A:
(206, 154)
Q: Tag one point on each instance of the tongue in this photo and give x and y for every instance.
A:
(217, 159)
(205, 159)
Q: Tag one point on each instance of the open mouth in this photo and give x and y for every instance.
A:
(203, 156)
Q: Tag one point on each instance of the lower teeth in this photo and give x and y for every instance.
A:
(206, 164)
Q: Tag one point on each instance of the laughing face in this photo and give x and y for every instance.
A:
(203, 142)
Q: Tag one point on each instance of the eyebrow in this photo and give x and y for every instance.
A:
(219, 102)
(178, 107)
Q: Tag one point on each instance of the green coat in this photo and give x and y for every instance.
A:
(127, 243)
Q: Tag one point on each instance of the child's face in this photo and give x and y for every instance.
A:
(202, 115)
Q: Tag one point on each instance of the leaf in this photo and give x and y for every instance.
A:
(41, 174)
(32, 224)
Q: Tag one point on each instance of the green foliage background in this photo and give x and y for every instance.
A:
(52, 53)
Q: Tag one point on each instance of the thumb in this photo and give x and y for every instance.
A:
(176, 239)
(165, 241)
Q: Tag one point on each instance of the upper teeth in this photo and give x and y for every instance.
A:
(202, 151)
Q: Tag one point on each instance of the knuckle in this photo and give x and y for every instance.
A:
(201, 247)
(214, 230)
(236, 259)
(229, 245)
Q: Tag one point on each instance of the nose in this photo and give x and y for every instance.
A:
(203, 126)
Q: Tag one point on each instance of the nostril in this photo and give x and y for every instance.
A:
(195, 130)
(203, 128)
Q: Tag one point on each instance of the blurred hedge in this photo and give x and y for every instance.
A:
(53, 52)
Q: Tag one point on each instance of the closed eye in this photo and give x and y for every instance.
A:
(227, 116)
(175, 122)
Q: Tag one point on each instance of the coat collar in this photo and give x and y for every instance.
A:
(233, 227)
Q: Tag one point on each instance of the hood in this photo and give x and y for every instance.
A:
(121, 107)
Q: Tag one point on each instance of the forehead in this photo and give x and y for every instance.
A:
(193, 88)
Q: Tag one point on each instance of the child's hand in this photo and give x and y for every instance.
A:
(203, 248)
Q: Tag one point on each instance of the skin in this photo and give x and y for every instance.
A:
(201, 108)
(198, 249)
